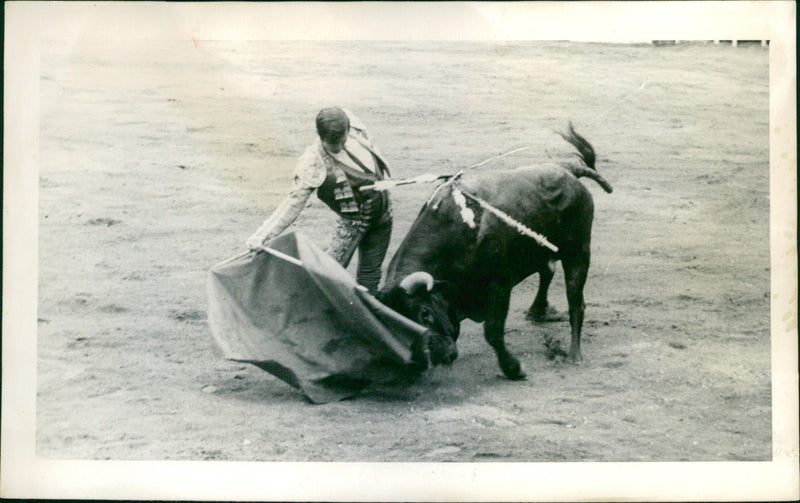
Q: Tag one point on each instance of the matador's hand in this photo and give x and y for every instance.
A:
(255, 241)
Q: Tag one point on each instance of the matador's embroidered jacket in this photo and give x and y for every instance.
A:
(334, 178)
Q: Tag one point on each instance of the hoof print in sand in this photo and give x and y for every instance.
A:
(108, 222)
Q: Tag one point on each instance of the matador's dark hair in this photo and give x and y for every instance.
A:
(332, 124)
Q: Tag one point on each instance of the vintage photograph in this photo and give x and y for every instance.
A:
(405, 250)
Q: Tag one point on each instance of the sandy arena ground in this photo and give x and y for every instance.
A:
(158, 160)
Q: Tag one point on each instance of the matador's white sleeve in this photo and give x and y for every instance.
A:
(284, 215)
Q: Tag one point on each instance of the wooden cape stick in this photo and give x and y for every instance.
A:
(294, 261)
(268, 250)
(282, 255)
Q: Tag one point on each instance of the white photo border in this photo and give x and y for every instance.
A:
(26, 476)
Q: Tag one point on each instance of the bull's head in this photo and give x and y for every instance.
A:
(416, 297)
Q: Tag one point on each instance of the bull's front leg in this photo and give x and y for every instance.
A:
(494, 331)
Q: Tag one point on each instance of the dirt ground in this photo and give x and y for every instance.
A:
(157, 160)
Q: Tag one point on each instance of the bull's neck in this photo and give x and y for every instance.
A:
(420, 251)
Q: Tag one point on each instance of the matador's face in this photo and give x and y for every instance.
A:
(335, 145)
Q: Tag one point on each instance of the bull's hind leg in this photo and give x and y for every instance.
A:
(541, 311)
(576, 268)
(494, 331)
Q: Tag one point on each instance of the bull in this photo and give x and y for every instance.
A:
(461, 261)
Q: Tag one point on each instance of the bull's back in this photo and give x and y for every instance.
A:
(529, 193)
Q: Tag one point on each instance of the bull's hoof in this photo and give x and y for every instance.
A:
(547, 315)
(512, 368)
(575, 358)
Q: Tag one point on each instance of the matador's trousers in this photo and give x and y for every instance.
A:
(372, 241)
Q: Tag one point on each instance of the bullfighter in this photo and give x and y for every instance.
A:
(336, 165)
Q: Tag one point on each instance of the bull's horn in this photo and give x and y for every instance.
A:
(414, 279)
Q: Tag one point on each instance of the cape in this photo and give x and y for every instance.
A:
(310, 325)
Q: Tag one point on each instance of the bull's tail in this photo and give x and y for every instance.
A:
(580, 171)
(586, 153)
(585, 149)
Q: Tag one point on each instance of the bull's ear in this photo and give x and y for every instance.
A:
(415, 280)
